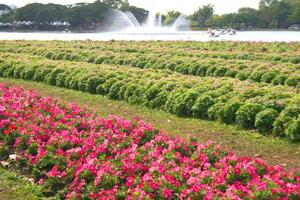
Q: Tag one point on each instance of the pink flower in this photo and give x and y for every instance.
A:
(167, 193)
(129, 181)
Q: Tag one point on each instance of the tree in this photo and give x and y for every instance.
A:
(112, 3)
(42, 13)
(202, 15)
(250, 16)
(170, 17)
(294, 17)
(84, 15)
(4, 7)
(276, 12)
(139, 13)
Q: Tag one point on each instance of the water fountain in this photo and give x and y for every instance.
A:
(153, 23)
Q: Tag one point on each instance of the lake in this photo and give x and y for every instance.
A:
(266, 36)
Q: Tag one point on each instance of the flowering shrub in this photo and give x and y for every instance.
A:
(75, 154)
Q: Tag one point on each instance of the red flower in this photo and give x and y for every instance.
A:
(5, 132)
(12, 127)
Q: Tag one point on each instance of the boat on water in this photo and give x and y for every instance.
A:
(219, 32)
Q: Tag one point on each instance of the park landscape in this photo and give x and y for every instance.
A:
(125, 119)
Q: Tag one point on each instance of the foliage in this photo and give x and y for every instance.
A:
(42, 13)
(212, 91)
(201, 16)
(77, 154)
(271, 14)
(87, 15)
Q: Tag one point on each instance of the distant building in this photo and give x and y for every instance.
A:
(295, 27)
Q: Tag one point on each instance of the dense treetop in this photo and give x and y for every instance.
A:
(270, 14)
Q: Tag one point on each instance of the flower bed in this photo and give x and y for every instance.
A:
(73, 153)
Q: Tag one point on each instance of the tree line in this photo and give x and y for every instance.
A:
(80, 15)
(270, 14)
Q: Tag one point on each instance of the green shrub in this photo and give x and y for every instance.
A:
(231, 73)
(202, 70)
(228, 113)
(268, 77)
(220, 72)
(28, 72)
(18, 70)
(279, 80)
(60, 79)
(183, 103)
(256, 76)
(242, 75)
(210, 71)
(201, 106)
(51, 77)
(192, 70)
(285, 118)
(115, 89)
(159, 101)
(293, 131)
(246, 114)
(292, 81)
(265, 119)
(93, 82)
(214, 111)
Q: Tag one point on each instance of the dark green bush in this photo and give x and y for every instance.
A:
(51, 77)
(242, 75)
(221, 71)
(265, 119)
(228, 113)
(115, 89)
(268, 77)
(201, 106)
(18, 70)
(279, 80)
(231, 73)
(214, 111)
(210, 71)
(293, 131)
(93, 82)
(256, 76)
(292, 81)
(184, 102)
(202, 70)
(285, 118)
(246, 114)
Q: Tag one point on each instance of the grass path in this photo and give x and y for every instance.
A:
(15, 187)
(241, 142)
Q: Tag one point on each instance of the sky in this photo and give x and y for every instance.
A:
(184, 6)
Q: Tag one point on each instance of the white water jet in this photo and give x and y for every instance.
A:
(181, 21)
(159, 20)
(132, 18)
(153, 23)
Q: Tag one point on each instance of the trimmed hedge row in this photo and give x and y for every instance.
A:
(274, 51)
(283, 74)
(269, 109)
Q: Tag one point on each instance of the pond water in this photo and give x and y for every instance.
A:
(267, 36)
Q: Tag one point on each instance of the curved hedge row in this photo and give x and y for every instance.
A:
(281, 49)
(257, 71)
(272, 110)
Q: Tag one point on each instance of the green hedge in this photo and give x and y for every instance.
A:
(252, 106)
(281, 69)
